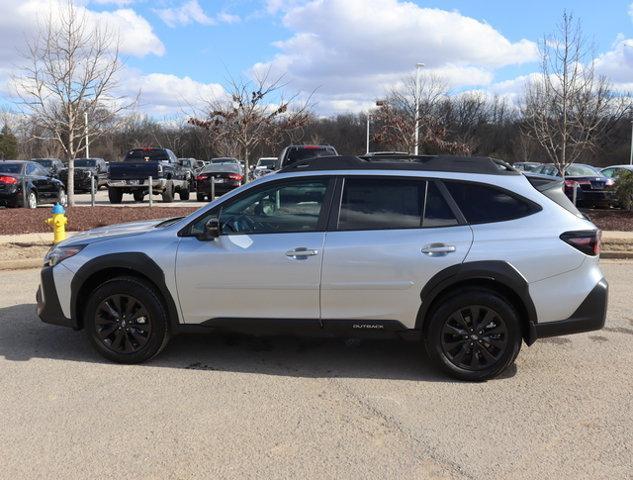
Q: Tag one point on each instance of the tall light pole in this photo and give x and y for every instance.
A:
(418, 66)
(631, 160)
(368, 118)
(86, 134)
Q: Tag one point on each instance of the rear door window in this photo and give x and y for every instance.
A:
(392, 203)
(486, 204)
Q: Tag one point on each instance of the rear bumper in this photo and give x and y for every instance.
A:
(48, 307)
(597, 197)
(589, 316)
(132, 185)
(220, 188)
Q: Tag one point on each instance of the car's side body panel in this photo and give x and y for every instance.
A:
(249, 276)
(379, 274)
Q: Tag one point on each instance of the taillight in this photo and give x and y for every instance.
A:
(201, 178)
(570, 183)
(610, 182)
(8, 180)
(587, 241)
(235, 176)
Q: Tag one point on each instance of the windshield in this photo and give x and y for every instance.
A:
(10, 167)
(168, 222)
(267, 162)
(222, 167)
(224, 160)
(582, 171)
(154, 154)
(86, 162)
(44, 163)
(301, 153)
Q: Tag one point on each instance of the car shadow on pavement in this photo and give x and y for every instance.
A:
(24, 337)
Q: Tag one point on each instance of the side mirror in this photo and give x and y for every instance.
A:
(211, 230)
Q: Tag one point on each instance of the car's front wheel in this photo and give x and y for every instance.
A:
(474, 334)
(126, 321)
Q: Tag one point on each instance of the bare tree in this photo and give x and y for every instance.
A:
(395, 118)
(569, 106)
(257, 114)
(70, 70)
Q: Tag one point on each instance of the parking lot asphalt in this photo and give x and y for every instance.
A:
(241, 407)
(101, 198)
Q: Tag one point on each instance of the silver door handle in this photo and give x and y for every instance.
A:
(438, 249)
(300, 253)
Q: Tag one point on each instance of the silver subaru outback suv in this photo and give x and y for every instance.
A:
(465, 255)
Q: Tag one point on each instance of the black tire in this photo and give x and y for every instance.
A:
(31, 200)
(125, 340)
(200, 197)
(62, 199)
(138, 196)
(184, 193)
(459, 343)
(168, 193)
(115, 195)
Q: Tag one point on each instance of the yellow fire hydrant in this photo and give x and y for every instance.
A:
(58, 221)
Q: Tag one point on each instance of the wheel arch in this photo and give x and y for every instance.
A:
(498, 276)
(106, 267)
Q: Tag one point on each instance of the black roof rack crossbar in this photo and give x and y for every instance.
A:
(435, 163)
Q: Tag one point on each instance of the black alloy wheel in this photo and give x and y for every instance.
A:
(122, 323)
(126, 320)
(473, 334)
(474, 337)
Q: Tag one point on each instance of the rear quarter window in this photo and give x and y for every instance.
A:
(486, 204)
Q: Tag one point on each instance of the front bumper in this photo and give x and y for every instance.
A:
(48, 307)
(589, 316)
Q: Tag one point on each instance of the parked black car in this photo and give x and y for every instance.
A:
(53, 165)
(593, 189)
(132, 175)
(27, 184)
(85, 169)
(228, 176)
(293, 153)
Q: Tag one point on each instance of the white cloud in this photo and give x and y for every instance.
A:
(359, 48)
(19, 20)
(617, 64)
(191, 12)
(118, 3)
(164, 94)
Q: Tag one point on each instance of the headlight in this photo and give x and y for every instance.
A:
(58, 254)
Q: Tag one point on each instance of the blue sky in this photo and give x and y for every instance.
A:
(351, 51)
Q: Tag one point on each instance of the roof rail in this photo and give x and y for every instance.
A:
(435, 163)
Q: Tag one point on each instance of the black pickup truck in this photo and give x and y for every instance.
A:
(132, 175)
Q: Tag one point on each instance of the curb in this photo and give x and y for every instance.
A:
(21, 264)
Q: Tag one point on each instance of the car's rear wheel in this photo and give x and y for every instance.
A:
(31, 200)
(184, 193)
(200, 197)
(62, 199)
(115, 195)
(474, 335)
(126, 321)
(138, 196)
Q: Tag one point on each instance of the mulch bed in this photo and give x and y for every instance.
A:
(620, 220)
(20, 220)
